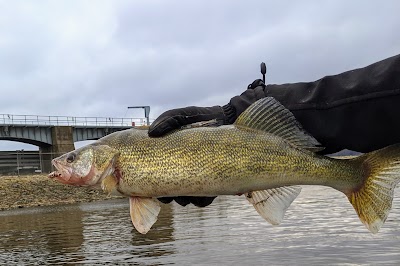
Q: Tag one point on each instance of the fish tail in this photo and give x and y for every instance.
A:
(373, 199)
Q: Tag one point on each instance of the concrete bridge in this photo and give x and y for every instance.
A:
(55, 135)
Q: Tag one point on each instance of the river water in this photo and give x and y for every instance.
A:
(319, 228)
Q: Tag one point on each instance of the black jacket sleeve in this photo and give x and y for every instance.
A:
(357, 110)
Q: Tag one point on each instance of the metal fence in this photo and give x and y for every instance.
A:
(20, 162)
(9, 119)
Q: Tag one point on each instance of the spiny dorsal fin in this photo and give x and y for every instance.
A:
(272, 204)
(268, 115)
(144, 213)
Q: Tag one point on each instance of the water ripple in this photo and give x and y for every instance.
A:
(319, 227)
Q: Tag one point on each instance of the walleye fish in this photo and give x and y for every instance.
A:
(264, 155)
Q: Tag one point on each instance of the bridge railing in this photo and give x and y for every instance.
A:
(9, 119)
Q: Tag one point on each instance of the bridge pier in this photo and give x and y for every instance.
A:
(63, 142)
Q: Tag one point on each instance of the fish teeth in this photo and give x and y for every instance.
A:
(54, 174)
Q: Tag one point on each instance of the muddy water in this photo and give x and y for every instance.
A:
(319, 227)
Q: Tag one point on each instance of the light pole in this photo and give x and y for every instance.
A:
(146, 112)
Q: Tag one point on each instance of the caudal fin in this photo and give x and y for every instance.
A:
(373, 200)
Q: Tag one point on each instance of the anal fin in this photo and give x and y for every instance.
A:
(144, 213)
(272, 204)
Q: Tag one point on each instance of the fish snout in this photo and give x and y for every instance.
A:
(62, 172)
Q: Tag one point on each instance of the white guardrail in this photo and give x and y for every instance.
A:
(9, 119)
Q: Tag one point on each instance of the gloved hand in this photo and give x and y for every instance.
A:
(176, 118)
(227, 114)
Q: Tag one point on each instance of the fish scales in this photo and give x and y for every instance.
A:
(216, 161)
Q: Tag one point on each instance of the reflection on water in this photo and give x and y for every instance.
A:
(319, 227)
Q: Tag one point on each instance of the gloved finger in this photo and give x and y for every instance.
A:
(163, 125)
(201, 201)
(183, 200)
(166, 200)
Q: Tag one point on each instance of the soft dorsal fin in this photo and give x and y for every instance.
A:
(268, 115)
(272, 204)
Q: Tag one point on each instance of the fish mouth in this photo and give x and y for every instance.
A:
(61, 172)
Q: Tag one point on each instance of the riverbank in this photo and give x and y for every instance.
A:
(39, 190)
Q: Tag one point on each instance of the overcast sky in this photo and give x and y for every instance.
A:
(96, 58)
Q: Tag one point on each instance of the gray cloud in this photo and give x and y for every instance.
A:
(83, 59)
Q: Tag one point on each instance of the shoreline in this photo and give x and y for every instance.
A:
(38, 190)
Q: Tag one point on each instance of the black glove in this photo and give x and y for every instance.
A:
(176, 118)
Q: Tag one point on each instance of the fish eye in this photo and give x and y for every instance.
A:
(71, 157)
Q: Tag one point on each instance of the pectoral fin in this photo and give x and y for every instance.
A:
(109, 185)
(272, 204)
(144, 213)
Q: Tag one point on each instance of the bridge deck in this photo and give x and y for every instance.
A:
(9, 119)
(36, 129)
